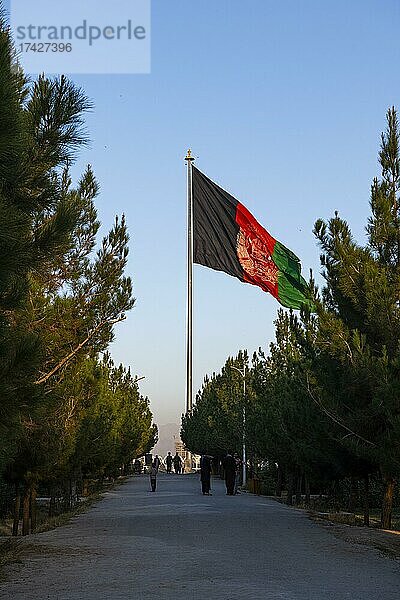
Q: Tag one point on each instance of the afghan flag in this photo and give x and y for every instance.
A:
(228, 238)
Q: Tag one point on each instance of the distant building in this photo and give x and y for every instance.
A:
(191, 461)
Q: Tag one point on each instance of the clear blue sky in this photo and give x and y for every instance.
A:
(283, 104)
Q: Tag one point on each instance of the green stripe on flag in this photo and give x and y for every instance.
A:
(293, 291)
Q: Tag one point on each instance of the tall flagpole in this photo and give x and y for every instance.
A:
(189, 308)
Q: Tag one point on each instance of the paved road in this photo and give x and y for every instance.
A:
(179, 545)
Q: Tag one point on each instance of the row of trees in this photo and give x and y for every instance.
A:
(66, 409)
(325, 403)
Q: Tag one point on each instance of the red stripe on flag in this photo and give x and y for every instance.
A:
(255, 247)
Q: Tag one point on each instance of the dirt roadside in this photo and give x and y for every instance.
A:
(386, 542)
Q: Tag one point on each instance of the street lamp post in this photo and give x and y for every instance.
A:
(243, 374)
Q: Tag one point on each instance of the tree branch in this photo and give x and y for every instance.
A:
(71, 355)
(334, 418)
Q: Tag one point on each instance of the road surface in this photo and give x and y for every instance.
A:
(176, 544)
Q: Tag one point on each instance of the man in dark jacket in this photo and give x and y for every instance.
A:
(168, 462)
(230, 473)
(205, 474)
(177, 463)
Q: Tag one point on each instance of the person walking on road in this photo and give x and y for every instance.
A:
(177, 463)
(230, 473)
(157, 461)
(153, 475)
(237, 476)
(205, 474)
(168, 462)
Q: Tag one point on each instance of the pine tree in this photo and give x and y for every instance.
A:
(215, 423)
(32, 148)
(359, 332)
(60, 299)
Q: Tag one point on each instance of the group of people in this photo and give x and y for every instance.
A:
(231, 464)
(174, 460)
(170, 460)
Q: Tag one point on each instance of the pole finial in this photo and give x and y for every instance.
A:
(189, 156)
